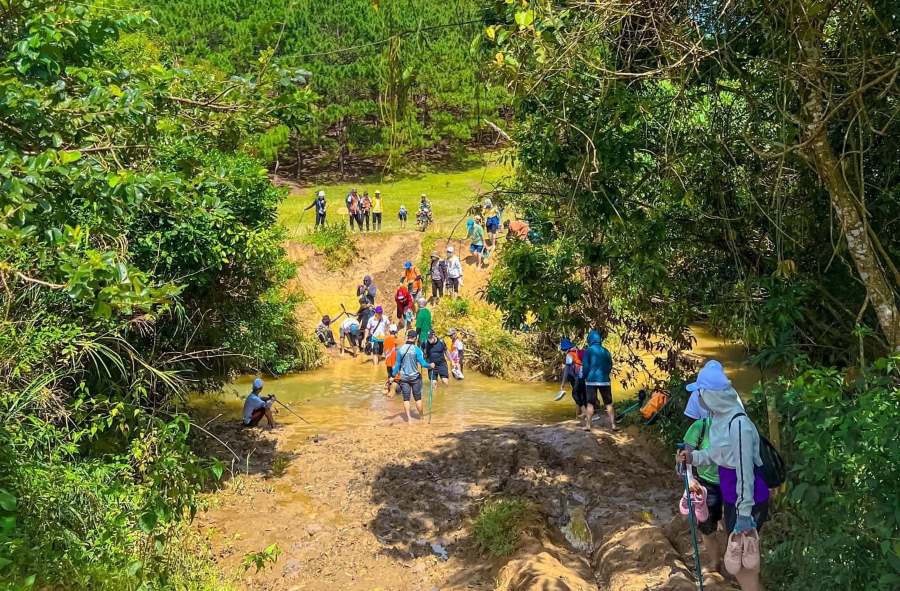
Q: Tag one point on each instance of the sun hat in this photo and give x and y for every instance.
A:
(451, 332)
(693, 409)
(565, 344)
(711, 377)
(378, 192)
(407, 265)
(379, 309)
(450, 249)
(434, 255)
(321, 193)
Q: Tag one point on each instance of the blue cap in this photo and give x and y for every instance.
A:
(407, 265)
(711, 377)
(565, 344)
(470, 223)
(257, 384)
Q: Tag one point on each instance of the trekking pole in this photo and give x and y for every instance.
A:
(288, 408)
(430, 394)
(685, 470)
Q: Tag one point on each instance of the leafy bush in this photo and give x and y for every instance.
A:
(335, 242)
(499, 526)
(840, 526)
(490, 348)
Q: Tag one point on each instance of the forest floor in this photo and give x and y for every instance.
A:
(375, 507)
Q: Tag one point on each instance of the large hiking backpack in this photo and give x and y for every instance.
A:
(773, 470)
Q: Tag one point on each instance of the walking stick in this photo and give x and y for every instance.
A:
(430, 394)
(288, 408)
(685, 471)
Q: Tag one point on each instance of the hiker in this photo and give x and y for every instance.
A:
(573, 374)
(321, 205)
(407, 374)
(404, 302)
(438, 272)
(351, 331)
(377, 210)
(375, 331)
(402, 214)
(365, 210)
(364, 314)
(367, 289)
(413, 279)
(492, 221)
(436, 353)
(476, 239)
(390, 356)
(517, 230)
(324, 332)
(596, 367)
(454, 272)
(697, 437)
(423, 321)
(353, 207)
(256, 407)
(459, 347)
(734, 446)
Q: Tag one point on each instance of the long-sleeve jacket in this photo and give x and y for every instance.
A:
(597, 361)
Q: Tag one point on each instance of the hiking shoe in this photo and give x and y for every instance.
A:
(734, 552)
(750, 547)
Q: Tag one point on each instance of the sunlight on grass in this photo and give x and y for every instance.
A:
(451, 194)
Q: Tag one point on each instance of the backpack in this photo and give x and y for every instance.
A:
(657, 402)
(773, 469)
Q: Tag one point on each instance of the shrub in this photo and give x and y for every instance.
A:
(335, 242)
(499, 526)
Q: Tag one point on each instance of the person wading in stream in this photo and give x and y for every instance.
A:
(376, 329)
(408, 375)
(256, 406)
(390, 356)
(596, 367)
(734, 446)
(423, 321)
(436, 353)
(404, 301)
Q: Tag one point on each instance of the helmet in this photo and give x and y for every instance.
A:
(321, 193)
(407, 265)
(257, 384)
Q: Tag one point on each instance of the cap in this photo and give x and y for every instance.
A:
(392, 329)
(257, 384)
(407, 265)
(379, 309)
(451, 332)
(450, 249)
(411, 334)
(378, 192)
(321, 193)
(565, 344)
(711, 377)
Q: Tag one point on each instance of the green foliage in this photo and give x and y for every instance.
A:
(393, 77)
(335, 242)
(262, 559)
(840, 526)
(138, 254)
(490, 348)
(499, 526)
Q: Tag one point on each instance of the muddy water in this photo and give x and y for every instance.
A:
(349, 393)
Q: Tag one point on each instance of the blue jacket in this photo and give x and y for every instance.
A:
(597, 361)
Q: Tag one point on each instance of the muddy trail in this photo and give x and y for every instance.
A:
(379, 504)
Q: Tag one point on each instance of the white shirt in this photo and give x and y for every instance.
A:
(454, 267)
(377, 326)
(348, 325)
(458, 345)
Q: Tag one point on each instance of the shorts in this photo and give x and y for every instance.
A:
(413, 389)
(401, 217)
(256, 417)
(453, 284)
(377, 347)
(493, 224)
(440, 371)
(605, 393)
(476, 248)
(714, 503)
(760, 514)
(579, 393)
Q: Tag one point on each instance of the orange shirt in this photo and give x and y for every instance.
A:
(409, 275)
(390, 349)
(519, 229)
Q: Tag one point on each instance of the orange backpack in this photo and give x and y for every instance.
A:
(656, 403)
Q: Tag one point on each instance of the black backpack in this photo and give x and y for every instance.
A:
(773, 469)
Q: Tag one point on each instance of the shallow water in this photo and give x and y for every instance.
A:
(350, 393)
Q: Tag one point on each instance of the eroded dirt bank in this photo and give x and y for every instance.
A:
(359, 510)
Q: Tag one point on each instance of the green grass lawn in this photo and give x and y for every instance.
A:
(451, 193)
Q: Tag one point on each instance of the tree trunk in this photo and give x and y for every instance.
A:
(849, 212)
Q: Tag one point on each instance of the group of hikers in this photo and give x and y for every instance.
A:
(730, 485)
(366, 213)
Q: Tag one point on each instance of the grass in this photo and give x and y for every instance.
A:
(332, 240)
(451, 194)
(499, 526)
